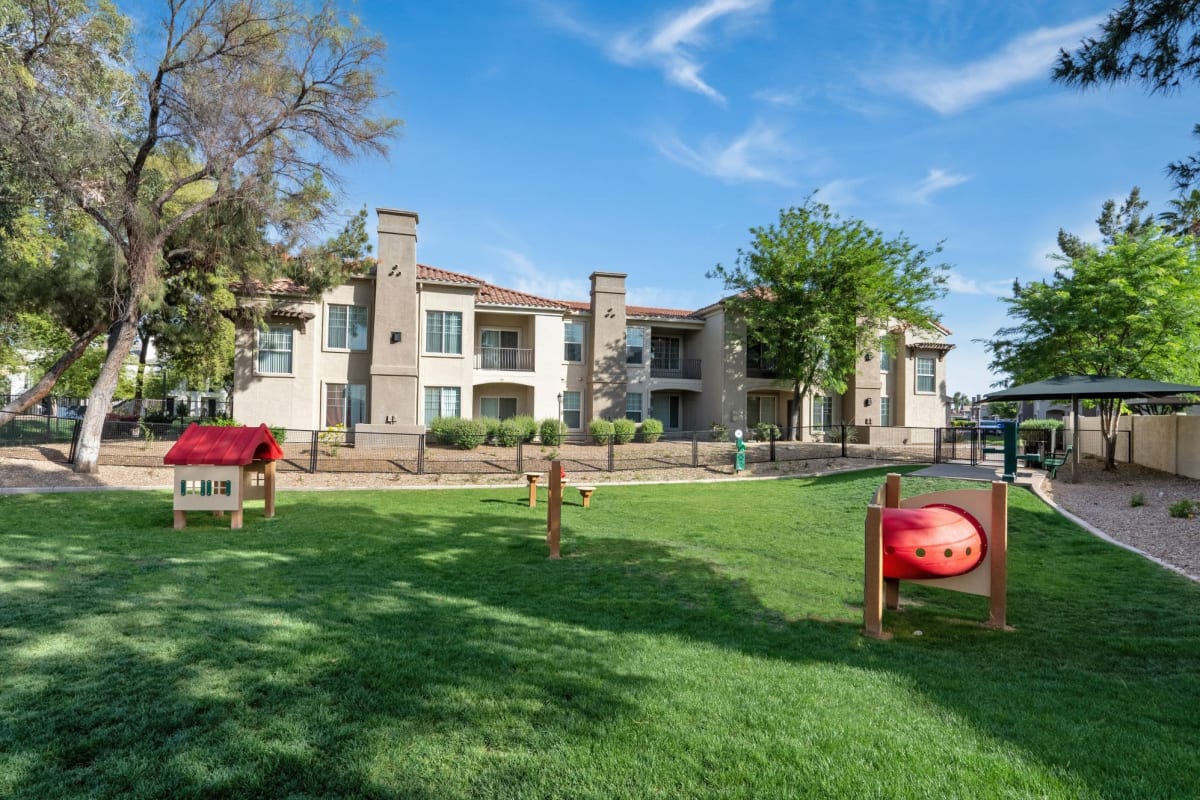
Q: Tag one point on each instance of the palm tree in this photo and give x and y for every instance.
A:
(1184, 216)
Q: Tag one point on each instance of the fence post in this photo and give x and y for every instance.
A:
(520, 457)
(937, 445)
(74, 441)
(421, 454)
(844, 451)
(611, 461)
(312, 453)
(772, 429)
(695, 450)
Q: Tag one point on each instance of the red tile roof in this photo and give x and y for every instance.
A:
(488, 293)
(213, 446)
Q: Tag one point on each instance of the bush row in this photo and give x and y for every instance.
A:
(467, 434)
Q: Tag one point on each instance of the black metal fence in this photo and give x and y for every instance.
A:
(144, 444)
(174, 407)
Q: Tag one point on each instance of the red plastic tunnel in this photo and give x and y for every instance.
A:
(933, 542)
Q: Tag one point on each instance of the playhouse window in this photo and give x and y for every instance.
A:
(275, 350)
(347, 328)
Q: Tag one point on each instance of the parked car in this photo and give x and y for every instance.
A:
(72, 412)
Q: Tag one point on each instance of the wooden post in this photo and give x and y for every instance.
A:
(269, 490)
(873, 575)
(532, 479)
(891, 491)
(180, 520)
(553, 508)
(998, 552)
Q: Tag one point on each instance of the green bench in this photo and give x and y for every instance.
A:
(1053, 461)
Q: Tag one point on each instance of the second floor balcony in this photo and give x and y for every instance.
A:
(509, 359)
(679, 368)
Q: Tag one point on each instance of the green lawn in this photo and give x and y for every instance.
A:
(695, 641)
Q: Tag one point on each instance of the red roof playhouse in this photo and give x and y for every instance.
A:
(216, 469)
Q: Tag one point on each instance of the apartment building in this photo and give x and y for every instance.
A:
(391, 350)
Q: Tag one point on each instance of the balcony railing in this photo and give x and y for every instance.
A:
(511, 359)
(684, 368)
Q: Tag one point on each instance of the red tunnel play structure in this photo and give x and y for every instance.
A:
(936, 541)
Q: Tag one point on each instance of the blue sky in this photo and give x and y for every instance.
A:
(544, 140)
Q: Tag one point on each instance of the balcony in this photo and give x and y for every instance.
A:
(508, 359)
(687, 369)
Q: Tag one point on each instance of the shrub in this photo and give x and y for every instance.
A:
(492, 426)
(1184, 509)
(1138, 499)
(527, 425)
(1041, 425)
(509, 433)
(834, 433)
(552, 432)
(652, 430)
(467, 434)
(441, 428)
(718, 432)
(333, 437)
(158, 417)
(766, 431)
(602, 431)
(221, 422)
(624, 430)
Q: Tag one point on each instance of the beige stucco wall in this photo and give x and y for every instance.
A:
(292, 400)
(446, 369)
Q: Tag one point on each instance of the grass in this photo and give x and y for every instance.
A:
(695, 641)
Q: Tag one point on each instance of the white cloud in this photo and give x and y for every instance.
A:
(957, 283)
(937, 180)
(757, 155)
(839, 194)
(671, 46)
(537, 280)
(777, 97)
(951, 89)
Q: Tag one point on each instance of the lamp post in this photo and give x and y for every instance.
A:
(560, 415)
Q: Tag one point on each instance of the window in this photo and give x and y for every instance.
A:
(758, 364)
(443, 332)
(573, 341)
(885, 357)
(926, 372)
(498, 350)
(275, 350)
(665, 352)
(822, 413)
(633, 407)
(760, 409)
(635, 345)
(885, 411)
(346, 328)
(498, 407)
(442, 401)
(572, 408)
(345, 404)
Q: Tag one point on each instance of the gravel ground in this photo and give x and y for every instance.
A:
(1102, 499)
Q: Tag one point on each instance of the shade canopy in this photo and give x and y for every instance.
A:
(1090, 387)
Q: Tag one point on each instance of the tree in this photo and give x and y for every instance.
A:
(959, 401)
(244, 101)
(1112, 222)
(1130, 310)
(816, 290)
(1152, 42)
(1184, 217)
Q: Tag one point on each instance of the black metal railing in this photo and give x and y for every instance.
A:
(504, 358)
(683, 368)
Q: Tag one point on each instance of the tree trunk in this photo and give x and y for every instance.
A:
(39, 390)
(1110, 416)
(87, 452)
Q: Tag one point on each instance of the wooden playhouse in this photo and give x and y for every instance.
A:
(217, 469)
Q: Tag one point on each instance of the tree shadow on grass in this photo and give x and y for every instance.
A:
(272, 661)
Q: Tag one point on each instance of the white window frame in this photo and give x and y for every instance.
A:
(272, 330)
(500, 402)
(572, 403)
(352, 318)
(442, 344)
(824, 420)
(931, 375)
(570, 326)
(635, 353)
(885, 411)
(444, 392)
(754, 404)
(885, 357)
(633, 399)
(349, 403)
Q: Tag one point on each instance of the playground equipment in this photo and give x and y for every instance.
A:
(956, 540)
(217, 469)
